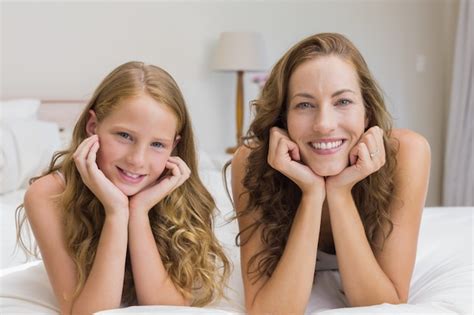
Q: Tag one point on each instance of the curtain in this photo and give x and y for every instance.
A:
(458, 186)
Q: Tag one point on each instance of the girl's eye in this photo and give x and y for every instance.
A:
(344, 102)
(304, 105)
(157, 145)
(124, 135)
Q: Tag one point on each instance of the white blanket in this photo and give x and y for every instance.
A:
(442, 280)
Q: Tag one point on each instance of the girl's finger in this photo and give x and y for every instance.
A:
(92, 156)
(82, 150)
(173, 167)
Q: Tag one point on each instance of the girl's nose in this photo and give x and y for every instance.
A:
(137, 156)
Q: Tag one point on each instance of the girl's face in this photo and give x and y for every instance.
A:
(326, 115)
(136, 139)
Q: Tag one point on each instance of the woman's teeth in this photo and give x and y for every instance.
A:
(326, 145)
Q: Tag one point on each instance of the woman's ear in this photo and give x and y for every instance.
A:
(91, 124)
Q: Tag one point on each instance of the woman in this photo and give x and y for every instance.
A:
(323, 173)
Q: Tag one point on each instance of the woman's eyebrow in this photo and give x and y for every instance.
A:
(303, 94)
(341, 92)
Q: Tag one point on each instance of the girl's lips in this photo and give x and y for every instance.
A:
(126, 177)
(327, 151)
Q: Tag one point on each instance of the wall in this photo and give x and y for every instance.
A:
(63, 49)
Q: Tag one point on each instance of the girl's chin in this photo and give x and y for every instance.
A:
(129, 191)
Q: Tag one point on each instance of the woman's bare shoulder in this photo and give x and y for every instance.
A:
(240, 156)
(413, 154)
(410, 143)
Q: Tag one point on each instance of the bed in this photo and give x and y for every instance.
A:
(442, 281)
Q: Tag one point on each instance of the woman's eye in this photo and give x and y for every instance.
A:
(124, 135)
(304, 105)
(344, 102)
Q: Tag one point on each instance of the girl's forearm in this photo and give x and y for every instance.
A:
(364, 281)
(103, 287)
(152, 283)
(289, 287)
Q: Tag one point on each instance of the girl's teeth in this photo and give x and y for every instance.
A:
(131, 175)
(327, 145)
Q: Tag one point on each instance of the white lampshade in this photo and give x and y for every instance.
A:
(240, 51)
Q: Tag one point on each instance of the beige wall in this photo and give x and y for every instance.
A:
(63, 49)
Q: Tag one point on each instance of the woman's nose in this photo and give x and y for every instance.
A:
(326, 120)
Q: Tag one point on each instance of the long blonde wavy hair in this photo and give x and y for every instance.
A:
(182, 223)
(276, 196)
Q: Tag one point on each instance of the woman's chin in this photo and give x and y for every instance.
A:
(327, 171)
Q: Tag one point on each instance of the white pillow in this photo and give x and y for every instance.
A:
(25, 150)
(19, 109)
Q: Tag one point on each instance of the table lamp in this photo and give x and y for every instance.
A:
(239, 52)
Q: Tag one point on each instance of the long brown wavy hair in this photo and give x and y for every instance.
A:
(182, 223)
(274, 195)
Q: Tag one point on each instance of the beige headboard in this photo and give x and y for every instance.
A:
(63, 112)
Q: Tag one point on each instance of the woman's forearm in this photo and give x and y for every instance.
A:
(152, 283)
(289, 287)
(364, 281)
(103, 287)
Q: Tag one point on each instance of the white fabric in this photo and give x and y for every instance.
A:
(441, 283)
(459, 160)
(19, 109)
(10, 254)
(26, 150)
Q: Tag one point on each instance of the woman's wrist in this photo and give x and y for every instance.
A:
(313, 198)
(337, 195)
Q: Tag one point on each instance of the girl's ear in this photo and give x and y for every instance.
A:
(176, 141)
(91, 124)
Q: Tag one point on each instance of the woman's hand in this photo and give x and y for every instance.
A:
(365, 158)
(143, 201)
(284, 156)
(113, 200)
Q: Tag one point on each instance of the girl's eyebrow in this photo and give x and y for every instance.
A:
(134, 132)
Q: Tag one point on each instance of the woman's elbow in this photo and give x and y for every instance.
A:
(376, 301)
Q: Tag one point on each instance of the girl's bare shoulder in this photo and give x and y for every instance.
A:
(43, 192)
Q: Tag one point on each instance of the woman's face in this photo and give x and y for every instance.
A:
(326, 115)
(136, 140)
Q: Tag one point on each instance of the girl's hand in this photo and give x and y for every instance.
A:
(143, 201)
(365, 158)
(284, 156)
(113, 200)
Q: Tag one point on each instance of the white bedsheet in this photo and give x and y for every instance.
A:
(442, 282)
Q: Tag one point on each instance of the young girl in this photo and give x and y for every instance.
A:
(121, 217)
(324, 183)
